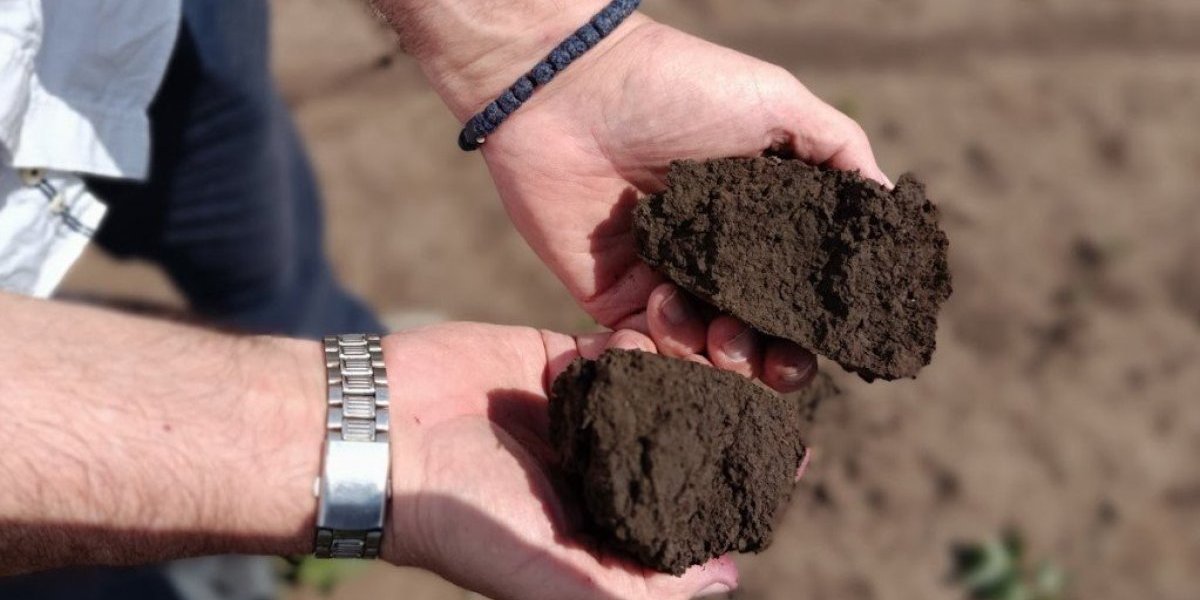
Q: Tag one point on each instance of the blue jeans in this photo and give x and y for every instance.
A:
(231, 211)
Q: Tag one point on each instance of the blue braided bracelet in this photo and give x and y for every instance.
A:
(475, 133)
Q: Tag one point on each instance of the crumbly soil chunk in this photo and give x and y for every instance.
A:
(825, 258)
(675, 462)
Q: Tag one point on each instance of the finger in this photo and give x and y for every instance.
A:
(627, 339)
(624, 296)
(591, 345)
(560, 350)
(852, 151)
(722, 576)
(788, 367)
(803, 468)
(822, 135)
(733, 346)
(636, 322)
(676, 324)
(696, 358)
(717, 576)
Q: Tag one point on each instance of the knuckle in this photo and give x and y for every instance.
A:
(854, 133)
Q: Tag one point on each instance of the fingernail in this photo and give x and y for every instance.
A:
(804, 460)
(677, 310)
(792, 375)
(739, 347)
(796, 372)
(629, 340)
(715, 589)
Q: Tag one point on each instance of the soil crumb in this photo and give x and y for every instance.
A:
(825, 258)
(675, 462)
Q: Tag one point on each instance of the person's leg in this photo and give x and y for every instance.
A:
(231, 209)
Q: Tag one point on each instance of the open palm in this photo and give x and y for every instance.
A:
(570, 165)
(474, 492)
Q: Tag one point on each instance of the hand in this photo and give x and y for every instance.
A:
(473, 490)
(571, 164)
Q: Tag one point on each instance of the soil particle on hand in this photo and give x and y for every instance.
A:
(827, 259)
(675, 462)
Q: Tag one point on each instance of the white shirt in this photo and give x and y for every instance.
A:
(76, 77)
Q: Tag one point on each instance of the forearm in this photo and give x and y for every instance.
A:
(471, 50)
(129, 440)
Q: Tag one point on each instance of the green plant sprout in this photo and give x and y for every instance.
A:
(318, 574)
(998, 570)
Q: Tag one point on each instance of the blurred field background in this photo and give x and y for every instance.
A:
(1061, 139)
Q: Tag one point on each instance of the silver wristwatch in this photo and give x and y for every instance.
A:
(353, 488)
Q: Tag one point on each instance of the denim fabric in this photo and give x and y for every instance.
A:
(232, 209)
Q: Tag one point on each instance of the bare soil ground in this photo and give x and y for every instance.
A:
(1061, 139)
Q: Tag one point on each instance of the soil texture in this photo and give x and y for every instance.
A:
(1034, 123)
(825, 258)
(675, 462)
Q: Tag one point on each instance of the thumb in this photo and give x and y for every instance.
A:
(822, 135)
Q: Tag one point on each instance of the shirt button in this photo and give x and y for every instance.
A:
(32, 177)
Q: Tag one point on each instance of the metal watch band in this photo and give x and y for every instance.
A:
(353, 488)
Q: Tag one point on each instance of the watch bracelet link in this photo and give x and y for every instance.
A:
(353, 488)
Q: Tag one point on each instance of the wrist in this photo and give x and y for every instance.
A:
(472, 51)
(272, 499)
(441, 378)
(414, 364)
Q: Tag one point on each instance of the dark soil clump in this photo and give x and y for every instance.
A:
(827, 259)
(675, 462)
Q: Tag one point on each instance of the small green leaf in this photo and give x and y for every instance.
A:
(322, 575)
